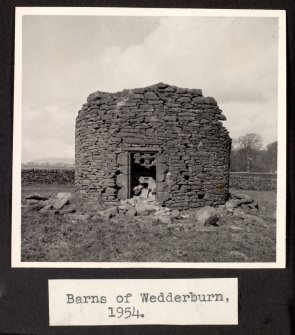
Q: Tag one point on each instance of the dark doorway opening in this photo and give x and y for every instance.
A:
(142, 173)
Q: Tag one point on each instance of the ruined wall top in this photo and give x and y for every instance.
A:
(138, 93)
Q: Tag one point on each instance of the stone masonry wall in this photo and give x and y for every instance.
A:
(180, 126)
(67, 176)
(253, 183)
(47, 176)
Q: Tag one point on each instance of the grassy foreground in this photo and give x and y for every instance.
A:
(50, 238)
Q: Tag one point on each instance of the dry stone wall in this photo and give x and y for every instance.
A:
(47, 176)
(253, 183)
(178, 127)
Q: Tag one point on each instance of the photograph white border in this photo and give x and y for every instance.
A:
(104, 11)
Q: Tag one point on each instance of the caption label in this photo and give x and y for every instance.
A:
(143, 301)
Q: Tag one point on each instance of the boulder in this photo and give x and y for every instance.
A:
(152, 185)
(36, 196)
(162, 197)
(31, 202)
(68, 211)
(175, 214)
(63, 195)
(230, 205)
(60, 202)
(36, 207)
(239, 212)
(164, 219)
(91, 206)
(144, 193)
(124, 207)
(133, 201)
(254, 205)
(212, 221)
(151, 197)
(241, 198)
(137, 189)
(144, 208)
(207, 215)
(130, 213)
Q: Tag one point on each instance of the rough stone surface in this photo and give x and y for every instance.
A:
(259, 183)
(130, 213)
(36, 196)
(61, 201)
(144, 208)
(205, 215)
(175, 214)
(179, 127)
(164, 219)
(48, 176)
(63, 195)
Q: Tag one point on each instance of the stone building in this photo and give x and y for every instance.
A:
(161, 140)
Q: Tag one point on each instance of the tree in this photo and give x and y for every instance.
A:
(250, 142)
(249, 145)
(271, 156)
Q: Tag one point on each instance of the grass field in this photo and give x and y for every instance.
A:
(48, 237)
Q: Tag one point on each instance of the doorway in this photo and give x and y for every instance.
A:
(142, 174)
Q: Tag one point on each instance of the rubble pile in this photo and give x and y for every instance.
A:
(143, 205)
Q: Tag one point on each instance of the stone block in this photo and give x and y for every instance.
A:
(110, 191)
(175, 214)
(122, 158)
(136, 96)
(59, 203)
(36, 196)
(162, 197)
(164, 219)
(151, 96)
(122, 193)
(160, 177)
(131, 212)
(162, 85)
(122, 180)
(162, 158)
(144, 208)
(221, 117)
(161, 168)
(196, 91)
(206, 215)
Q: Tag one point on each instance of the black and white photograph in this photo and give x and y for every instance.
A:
(149, 138)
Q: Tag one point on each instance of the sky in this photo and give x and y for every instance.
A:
(65, 58)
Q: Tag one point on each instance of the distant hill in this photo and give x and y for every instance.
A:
(55, 160)
(52, 162)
